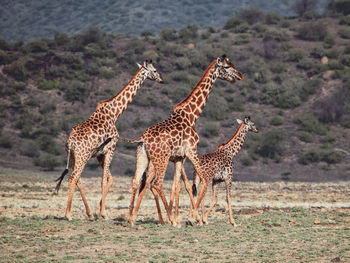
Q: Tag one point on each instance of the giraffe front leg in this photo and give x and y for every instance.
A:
(228, 199)
(192, 156)
(214, 200)
(87, 208)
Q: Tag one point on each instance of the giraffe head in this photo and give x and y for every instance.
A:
(151, 71)
(226, 70)
(248, 124)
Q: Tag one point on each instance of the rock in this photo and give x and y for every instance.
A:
(324, 60)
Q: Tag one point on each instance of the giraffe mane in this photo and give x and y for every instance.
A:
(180, 104)
(99, 104)
(233, 137)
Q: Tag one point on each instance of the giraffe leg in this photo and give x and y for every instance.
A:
(155, 194)
(228, 199)
(107, 179)
(141, 166)
(192, 156)
(73, 179)
(87, 208)
(214, 200)
(175, 191)
(149, 177)
(157, 186)
(188, 188)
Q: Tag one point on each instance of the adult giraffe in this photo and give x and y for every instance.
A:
(175, 139)
(97, 137)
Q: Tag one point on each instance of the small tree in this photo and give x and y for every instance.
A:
(303, 6)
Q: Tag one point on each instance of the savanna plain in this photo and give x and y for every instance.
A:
(276, 222)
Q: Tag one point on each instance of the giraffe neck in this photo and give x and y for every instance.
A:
(232, 146)
(118, 104)
(195, 101)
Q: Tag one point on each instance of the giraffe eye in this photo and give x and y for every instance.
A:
(227, 67)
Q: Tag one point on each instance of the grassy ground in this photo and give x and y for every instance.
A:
(277, 222)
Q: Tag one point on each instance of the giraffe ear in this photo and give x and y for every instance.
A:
(239, 121)
(139, 65)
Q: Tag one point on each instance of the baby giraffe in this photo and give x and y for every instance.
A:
(218, 166)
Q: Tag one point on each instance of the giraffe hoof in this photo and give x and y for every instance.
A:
(68, 217)
(91, 217)
(130, 223)
(105, 217)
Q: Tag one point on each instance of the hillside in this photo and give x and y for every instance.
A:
(296, 90)
(23, 20)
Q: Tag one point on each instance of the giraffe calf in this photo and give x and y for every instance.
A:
(218, 167)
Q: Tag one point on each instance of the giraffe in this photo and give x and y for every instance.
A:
(97, 137)
(175, 139)
(218, 167)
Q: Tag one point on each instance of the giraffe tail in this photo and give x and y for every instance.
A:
(143, 182)
(103, 144)
(140, 139)
(194, 184)
(64, 173)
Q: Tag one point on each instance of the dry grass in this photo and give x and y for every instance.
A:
(278, 222)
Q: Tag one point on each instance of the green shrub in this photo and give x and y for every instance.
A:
(75, 91)
(328, 155)
(210, 130)
(188, 33)
(270, 145)
(278, 67)
(345, 60)
(296, 54)
(48, 144)
(251, 15)
(305, 136)
(344, 33)
(345, 20)
(335, 64)
(282, 96)
(61, 39)
(168, 34)
(276, 121)
(310, 156)
(6, 142)
(216, 108)
(18, 71)
(54, 72)
(305, 64)
(318, 52)
(49, 84)
(233, 22)
(203, 143)
(272, 18)
(182, 63)
(30, 149)
(48, 162)
(4, 58)
(276, 35)
(331, 156)
(247, 161)
(93, 50)
(328, 42)
(313, 31)
(37, 46)
(311, 124)
(106, 73)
